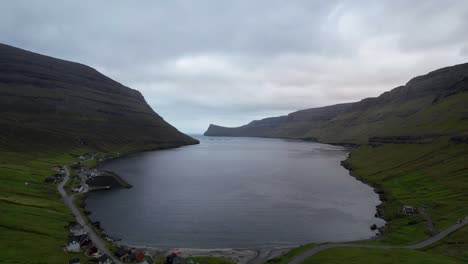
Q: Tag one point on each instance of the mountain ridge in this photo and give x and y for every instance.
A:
(46, 101)
(395, 113)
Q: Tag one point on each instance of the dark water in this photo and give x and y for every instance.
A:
(236, 192)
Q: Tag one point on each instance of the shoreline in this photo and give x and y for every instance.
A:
(237, 255)
(240, 255)
(379, 208)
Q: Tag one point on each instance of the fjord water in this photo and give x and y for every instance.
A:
(236, 193)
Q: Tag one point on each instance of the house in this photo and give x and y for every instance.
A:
(90, 250)
(81, 238)
(131, 257)
(147, 260)
(85, 242)
(122, 253)
(77, 230)
(74, 261)
(58, 178)
(73, 245)
(78, 188)
(174, 259)
(98, 254)
(140, 256)
(105, 259)
(408, 210)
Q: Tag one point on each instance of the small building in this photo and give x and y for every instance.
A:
(147, 260)
(77, 230)
(174, 259)
(74, 261)
(105, 259)
(91, 249)
(131, 257)
(78, 188)
(85, 242)
(408, 210)
(139, 256)
(73, 245)
(122, 253)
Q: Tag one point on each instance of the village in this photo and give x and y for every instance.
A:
(81, 180)
(79, 241)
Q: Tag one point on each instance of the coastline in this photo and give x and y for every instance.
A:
(247, 255)
(379, 208)
(241, 256)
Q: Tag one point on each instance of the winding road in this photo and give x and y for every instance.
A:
(300, 258)
(68, 200)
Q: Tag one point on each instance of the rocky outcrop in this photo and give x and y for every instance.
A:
(51, 102)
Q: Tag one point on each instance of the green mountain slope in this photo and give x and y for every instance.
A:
(47, 102)
(427, 107)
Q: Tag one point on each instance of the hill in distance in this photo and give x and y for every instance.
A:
(427, 107)
(48, 102)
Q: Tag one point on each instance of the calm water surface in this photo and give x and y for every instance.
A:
(236, 193)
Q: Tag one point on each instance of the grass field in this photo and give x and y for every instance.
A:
(381, 256)
(431, 176)
(33, 218)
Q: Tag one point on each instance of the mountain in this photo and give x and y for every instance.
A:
(427, 107)
(48, 102)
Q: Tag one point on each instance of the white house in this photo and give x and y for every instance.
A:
(73, 245)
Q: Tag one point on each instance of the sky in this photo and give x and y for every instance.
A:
(230, 62)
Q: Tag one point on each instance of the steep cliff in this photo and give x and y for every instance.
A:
(50, 102)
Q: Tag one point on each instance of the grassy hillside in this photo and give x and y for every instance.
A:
(381, 256)
(430, 176)
(33, 218)
(427, 107)
(51, 102)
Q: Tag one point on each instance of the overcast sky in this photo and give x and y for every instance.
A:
(229, 62)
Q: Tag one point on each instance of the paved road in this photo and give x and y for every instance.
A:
(300, 258)
(68, 200)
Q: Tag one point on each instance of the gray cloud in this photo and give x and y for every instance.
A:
(228, 62)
